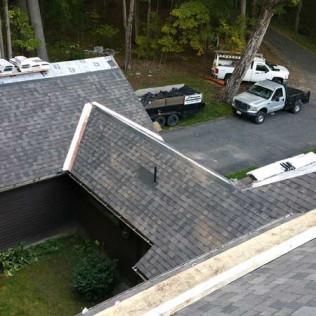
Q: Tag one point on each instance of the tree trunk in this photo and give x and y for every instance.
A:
(252, 47)
(124, 14)
(22, 5)
(128, 36)
(36, 21)
(254, 9)
(148, 18)
(298, 15)
(2, 54)
(243, 9)
(136, 20)
(7, 28)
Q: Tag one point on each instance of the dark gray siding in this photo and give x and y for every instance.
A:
(34, 211)
(39, 210)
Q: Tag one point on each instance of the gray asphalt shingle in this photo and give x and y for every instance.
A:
(286, 286)
(38, 119)
(189, 211)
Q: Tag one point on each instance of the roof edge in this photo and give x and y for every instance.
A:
(158, 139)
(192, 284)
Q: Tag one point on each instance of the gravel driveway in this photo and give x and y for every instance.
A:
(231, 144)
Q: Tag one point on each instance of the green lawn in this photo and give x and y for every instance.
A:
(240, 174)
(43, 287)
(192, 72)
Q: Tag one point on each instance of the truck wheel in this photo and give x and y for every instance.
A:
(297, 107)
(260, 117)
(227, 78)
(172, 120)
(161, 120)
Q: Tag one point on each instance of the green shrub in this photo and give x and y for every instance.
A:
(14, 259)
(94, 276)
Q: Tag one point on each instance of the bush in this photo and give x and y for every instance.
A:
(14, 259)
(94, 276)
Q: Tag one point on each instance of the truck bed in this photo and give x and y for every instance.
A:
(293, 94)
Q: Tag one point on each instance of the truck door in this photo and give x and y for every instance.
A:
(260, 72)
(248, 75)
(277, 100)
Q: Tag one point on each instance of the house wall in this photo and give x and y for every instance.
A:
(40, 210)
(118, 240)
(34, 211)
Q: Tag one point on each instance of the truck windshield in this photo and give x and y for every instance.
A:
(260, 91)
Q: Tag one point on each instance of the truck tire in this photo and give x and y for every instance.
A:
(227, 78)
(278, 80)
(297, 107)
(260, 117)
(161, 120)
(172, 120)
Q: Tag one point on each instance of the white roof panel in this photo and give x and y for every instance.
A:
(66, 68)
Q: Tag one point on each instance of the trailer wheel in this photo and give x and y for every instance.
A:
(172, 120)
(161, 120)
(297, 107)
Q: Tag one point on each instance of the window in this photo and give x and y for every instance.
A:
(260, 91)
(262, 68)
(277, 94)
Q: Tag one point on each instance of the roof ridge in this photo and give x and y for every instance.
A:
(158, 139)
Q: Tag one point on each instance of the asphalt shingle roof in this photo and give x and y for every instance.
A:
(38, 119)
(189, 211)
(286, 286)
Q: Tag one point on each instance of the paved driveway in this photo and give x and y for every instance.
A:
(231, 144)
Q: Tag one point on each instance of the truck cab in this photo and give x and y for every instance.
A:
(6, 68)
(267, 97)
(33, 64)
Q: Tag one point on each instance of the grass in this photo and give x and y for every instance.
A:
(241, 174)
(44, 287)
(191, 71)
(313, 149)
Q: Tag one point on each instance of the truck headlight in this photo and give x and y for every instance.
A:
(233, 104)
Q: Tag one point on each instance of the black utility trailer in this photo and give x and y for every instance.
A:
(167, 104)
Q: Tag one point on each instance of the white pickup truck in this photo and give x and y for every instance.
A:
(224, 65)
(33, 64)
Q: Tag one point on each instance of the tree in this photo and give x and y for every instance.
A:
(298, 15)
(36, 21)
(7, 28)
(187, 28)
(252, 47)
(136, 19)
(124, 14)
(23, 37)
(128, 36)
(254, 8)
(148, 17)
(2, 54)
(22, 5)
(243, 9)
